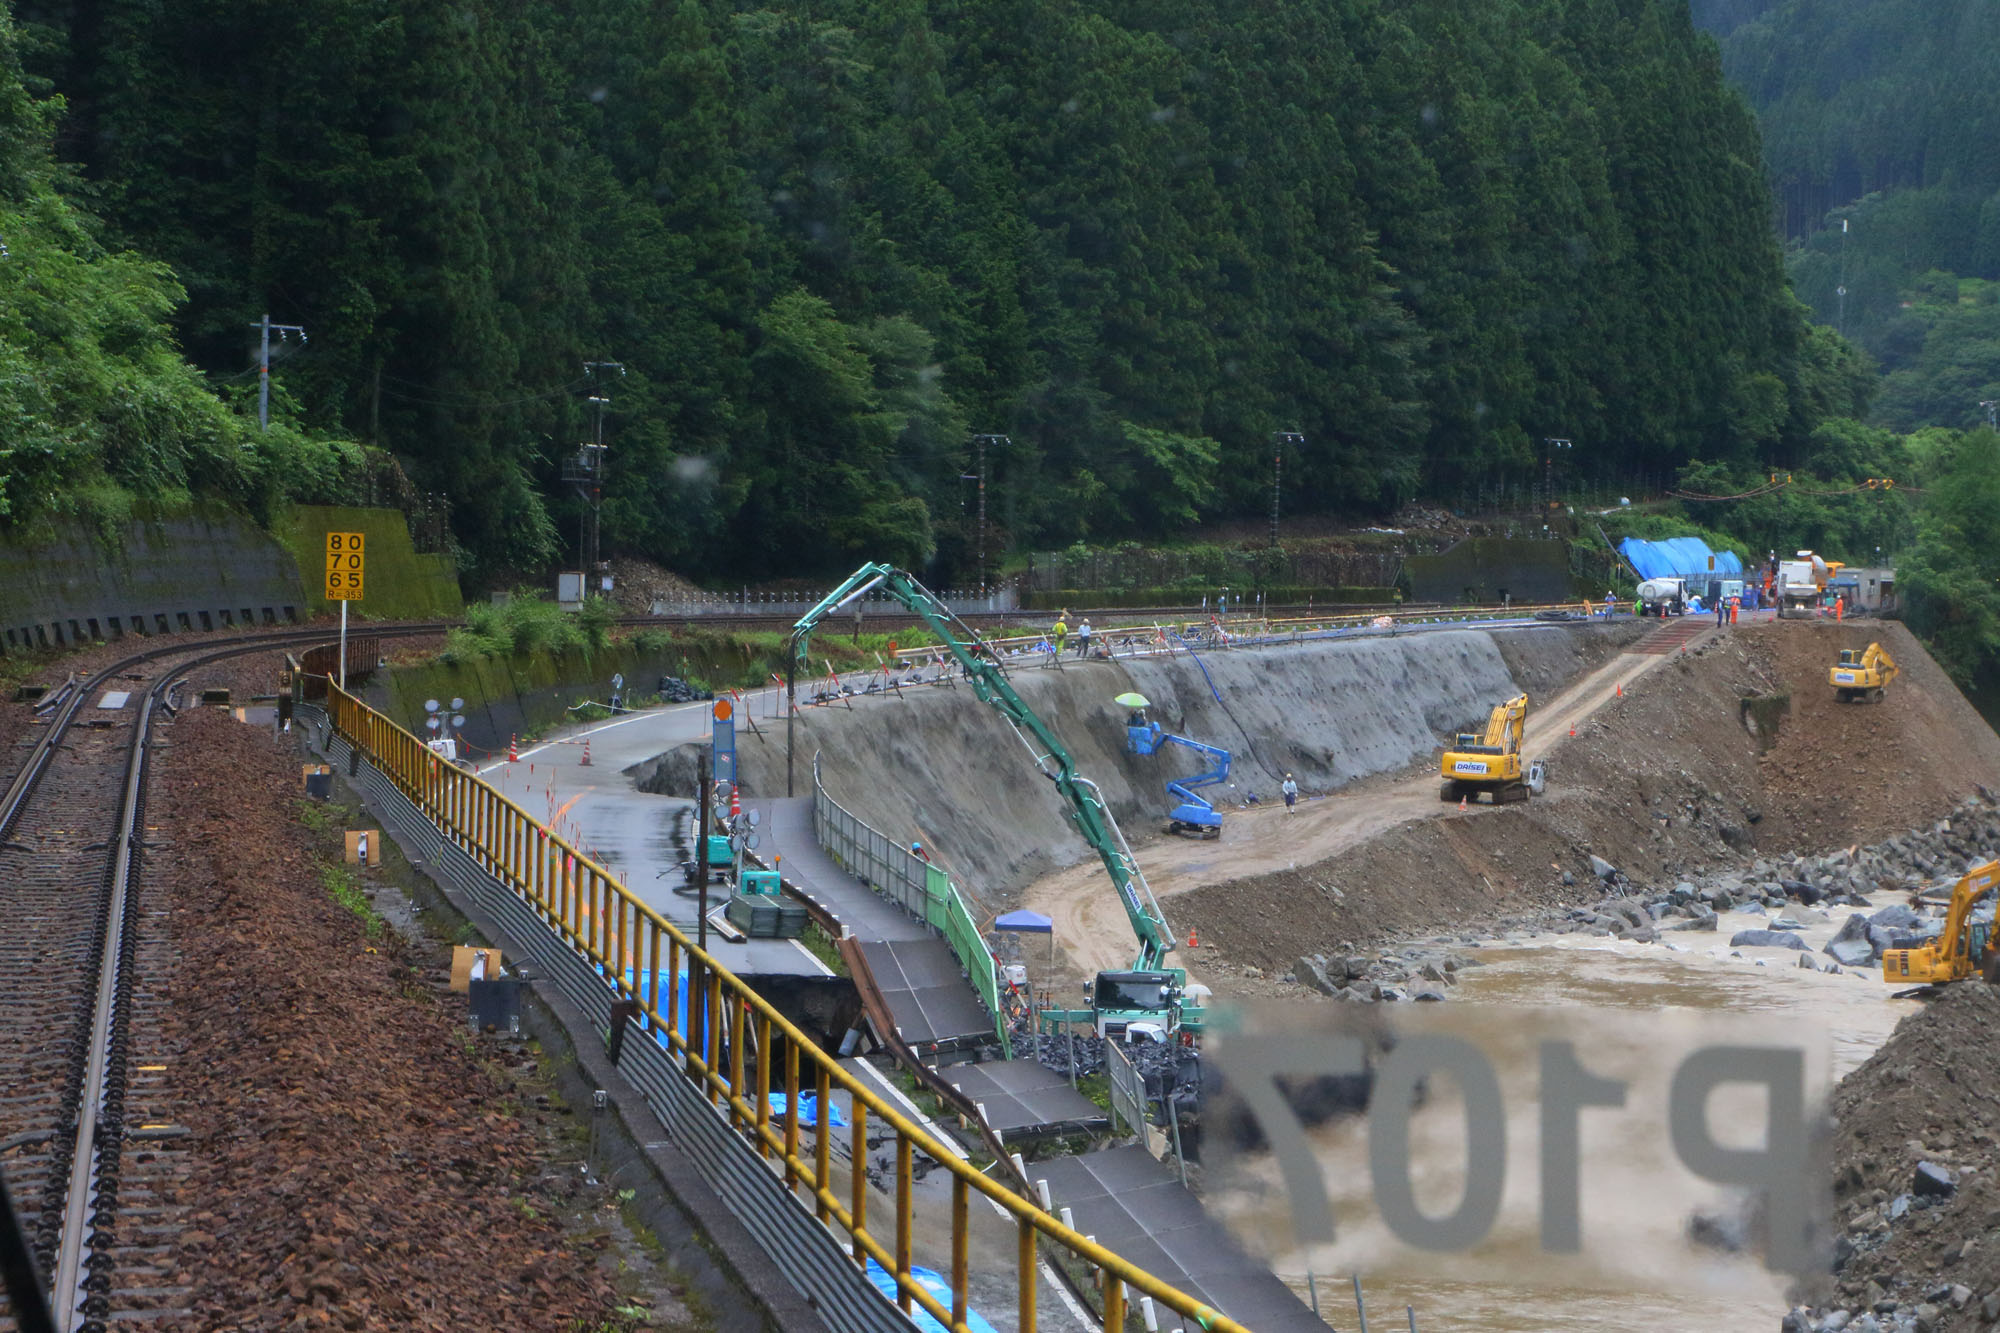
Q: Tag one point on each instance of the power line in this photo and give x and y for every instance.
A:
(480, 402)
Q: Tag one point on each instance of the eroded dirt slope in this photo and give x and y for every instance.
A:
(1926, 1097)
(1662, 782)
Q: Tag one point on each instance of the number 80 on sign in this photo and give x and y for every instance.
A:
(344, 551)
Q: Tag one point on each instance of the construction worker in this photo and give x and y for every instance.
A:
(1083, 638)
(1291, 791)
(1721, 609)
(917, 850)
(1734, 602)
(1839, 608)
(1610, 603)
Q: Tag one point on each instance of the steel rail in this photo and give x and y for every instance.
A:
(67, 1285)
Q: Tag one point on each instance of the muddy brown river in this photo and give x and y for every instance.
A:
(1633, 1007)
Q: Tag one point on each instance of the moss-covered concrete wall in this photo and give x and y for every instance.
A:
(400, 584)
(166, 570)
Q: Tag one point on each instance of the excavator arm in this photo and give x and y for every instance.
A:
(1953, 956)
(1086, 809)
(1505, 728)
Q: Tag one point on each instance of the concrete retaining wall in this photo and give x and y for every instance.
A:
(205, 567)
(161, 573)
(938, 766)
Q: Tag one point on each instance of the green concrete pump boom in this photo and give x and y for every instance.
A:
(1086, 808)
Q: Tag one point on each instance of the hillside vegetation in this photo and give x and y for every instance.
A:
(827, 241)
(96, 403)
(1881, 131)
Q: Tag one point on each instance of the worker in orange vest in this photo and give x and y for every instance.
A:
(1734, 604)
(1839, 608)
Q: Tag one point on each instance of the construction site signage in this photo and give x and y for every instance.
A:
(344, 566)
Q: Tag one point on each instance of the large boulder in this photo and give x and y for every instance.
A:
(1896, 916)
(1310, 972)
(1852, 945)
(1933, 1181)
(1602, 868)
(1765, 939)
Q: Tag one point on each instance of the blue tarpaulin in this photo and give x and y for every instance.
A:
(939, 1289)
(808, 1110)
(1679, 557)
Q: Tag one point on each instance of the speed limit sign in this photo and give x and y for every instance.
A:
(344, 551)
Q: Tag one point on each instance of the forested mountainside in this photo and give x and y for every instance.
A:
(828, 241)
(96, 403)
(1881, 127)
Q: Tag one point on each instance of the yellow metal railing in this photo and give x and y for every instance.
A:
(598, 917)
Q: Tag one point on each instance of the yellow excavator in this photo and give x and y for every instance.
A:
(1491, 762)
(1862, 673)
(1965, 949)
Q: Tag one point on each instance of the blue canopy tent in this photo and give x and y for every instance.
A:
(1679, 557)
(1024, 922)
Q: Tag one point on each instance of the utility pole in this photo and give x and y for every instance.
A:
(1840, 325)
(1280, 439)
(979, 443)
(1550, 443)
(267, 328)
(586, 473)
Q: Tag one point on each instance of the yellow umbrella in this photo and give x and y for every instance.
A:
(1131, 699)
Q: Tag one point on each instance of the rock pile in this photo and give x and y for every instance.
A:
(1917, 869)
(1916, 1180)
(1421, 972)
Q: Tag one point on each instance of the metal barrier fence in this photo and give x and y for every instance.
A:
(1128, 1089)
(923, 890)
(1144, 639)
(966, 602)
(727, 1054)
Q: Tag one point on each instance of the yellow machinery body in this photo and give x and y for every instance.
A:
(1965, 949)
(1490, 762)
(1862, 673)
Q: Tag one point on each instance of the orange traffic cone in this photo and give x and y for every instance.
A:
(513, 749)
(1461, 804)
(1621, 689)
(1194, 940)
(1572, 731)
(735, 800)
(585, 761)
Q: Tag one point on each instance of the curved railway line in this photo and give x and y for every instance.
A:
(87, 1132)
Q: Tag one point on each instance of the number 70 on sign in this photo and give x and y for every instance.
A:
(344, 551)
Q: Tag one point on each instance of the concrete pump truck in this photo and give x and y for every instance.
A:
(1147, 1000)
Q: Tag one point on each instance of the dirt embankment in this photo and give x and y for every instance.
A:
(1664, 782)
(1911, 1252)
(358, 1160)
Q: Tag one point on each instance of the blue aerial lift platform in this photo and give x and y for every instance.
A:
(1194, 814)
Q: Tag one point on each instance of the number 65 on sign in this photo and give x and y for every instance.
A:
(344, 551)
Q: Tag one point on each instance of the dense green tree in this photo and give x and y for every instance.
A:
(1950, 581)
(96, 404)
(1136, 236)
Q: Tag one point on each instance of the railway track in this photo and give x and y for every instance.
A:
(89, 1146)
